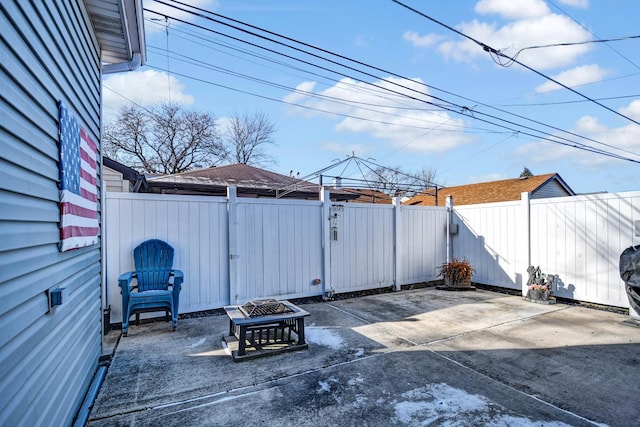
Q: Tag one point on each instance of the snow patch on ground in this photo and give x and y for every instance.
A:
(442, 404)
(199, 342)
(324, 337)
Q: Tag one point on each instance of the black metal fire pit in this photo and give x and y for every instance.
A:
(265, 307)
(264, 327)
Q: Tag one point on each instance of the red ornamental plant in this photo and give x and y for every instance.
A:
(457, 271)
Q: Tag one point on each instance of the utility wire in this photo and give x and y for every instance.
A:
(340, 101)
(461, 109)
(496, 52)
(595, 35)
(543, 46)
(229, 46)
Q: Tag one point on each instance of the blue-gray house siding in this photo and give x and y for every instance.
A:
(48, 52)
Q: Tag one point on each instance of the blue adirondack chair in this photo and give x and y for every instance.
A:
(158, 285)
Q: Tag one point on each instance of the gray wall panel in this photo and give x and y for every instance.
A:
(48, 53)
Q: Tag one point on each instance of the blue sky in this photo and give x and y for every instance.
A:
(435, 99)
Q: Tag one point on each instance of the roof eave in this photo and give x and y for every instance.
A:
(119, 28)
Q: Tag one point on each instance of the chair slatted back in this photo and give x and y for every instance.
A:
(154, 261)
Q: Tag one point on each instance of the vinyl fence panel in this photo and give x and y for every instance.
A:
(421, 243)
(581, 238)
(491, 236)
(196, 226)
(361, 248)
(280, 249)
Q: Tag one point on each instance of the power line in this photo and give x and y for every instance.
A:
(496, 52)
(340, 101)
(462, 110)
(583, 26)
(577, 101)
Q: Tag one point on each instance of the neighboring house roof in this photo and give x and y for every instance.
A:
(137, 180)
(249, 181)
(369, 196)
(119, 28)
(540, 186)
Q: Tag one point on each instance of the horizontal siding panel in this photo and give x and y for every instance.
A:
(70, 339)
(40, 270)
(14, 177)
(21, 207)
(26, 125)
(39, 233)
(19, 74)
(47, 54)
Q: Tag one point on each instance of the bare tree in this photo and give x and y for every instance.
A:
(165, 139)
(247, 137)
(395, 182)
(425, 179)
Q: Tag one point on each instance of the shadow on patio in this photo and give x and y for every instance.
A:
(407, 358)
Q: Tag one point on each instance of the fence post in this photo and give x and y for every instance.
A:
(396, 242)
(525, 231)
(232, 217)
(325, 198)
(449, 205)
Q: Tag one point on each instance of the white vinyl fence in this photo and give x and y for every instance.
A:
(235, 249)
(232, 250)
(579, 238)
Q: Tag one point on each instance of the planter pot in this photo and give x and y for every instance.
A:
(535, 294)
(461, 284)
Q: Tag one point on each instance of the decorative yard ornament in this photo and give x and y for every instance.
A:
(630, 273)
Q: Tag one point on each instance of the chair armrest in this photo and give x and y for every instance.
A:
(178, 278)
(124, 281)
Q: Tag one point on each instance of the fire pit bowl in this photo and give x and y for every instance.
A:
(264, 307)
(264, 327)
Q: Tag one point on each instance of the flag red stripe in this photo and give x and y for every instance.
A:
(88, 177)
(71, 209)
(86, 194)
(73, 231)
(87, 158)
(85, 136)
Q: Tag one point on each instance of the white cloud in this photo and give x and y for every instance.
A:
(513, 9)
(487, 178)
(301, 93)
(632, 110)
(524, 24)
(581, 4)
(346, 149)
(162, 10)
(421, 41)
(578, 76)
(142, 87)
(625, 138)
(362, 41)
(386, 112)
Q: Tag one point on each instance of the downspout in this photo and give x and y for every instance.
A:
(90, 398)
(120, 67)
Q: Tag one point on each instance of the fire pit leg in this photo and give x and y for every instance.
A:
(242, 340)
(300, 328)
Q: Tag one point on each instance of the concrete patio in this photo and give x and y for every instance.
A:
(416, 357)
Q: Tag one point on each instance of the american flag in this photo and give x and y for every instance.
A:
(78, 190)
